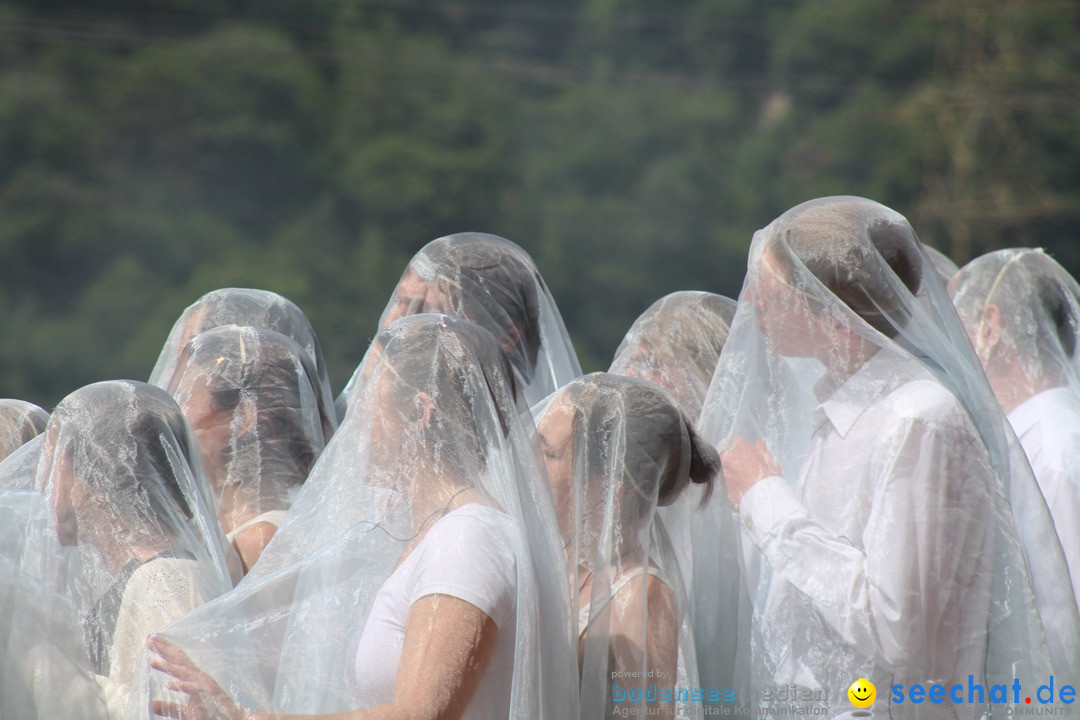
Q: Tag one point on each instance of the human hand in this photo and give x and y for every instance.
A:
(206, 699)
(746, 464)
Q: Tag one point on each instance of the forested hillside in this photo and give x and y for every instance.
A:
(153, 150)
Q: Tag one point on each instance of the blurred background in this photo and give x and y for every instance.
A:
(153, 150)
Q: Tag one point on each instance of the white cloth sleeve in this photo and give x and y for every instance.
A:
(470, 556)
(874, 592)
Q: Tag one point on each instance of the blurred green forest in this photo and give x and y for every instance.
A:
(151, 151)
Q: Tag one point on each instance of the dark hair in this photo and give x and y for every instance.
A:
(270, 369)
(495, 284)
(439, 355)
(262, 309)
(836, 239)
(1059, 307)
(247, 307)
(657, 433)
(121, 433)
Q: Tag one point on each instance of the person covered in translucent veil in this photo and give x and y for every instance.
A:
(420, 572)
(20, 422)
(616, 449)
(676, 344)
(139, 544)
(869, 468)
(252, 399)
(1022, 312)
(493, 283)
(245, 307)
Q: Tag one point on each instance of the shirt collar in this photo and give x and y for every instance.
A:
(880, 373)
(1026, 414)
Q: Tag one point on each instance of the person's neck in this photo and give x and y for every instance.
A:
(846, 359)
(238, 505)
(116, 555)
(1013, 386)
(437, 499)
(230, 512)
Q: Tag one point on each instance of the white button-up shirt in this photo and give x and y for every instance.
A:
(1048, 425)
(874, 549)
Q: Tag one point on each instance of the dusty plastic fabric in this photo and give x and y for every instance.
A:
(616, 450)
(118, 539)
(252, 399)
(676, 344)
(20, 422)
(247, 308)
(426, 516)
(886, 518)
(493, 283)
(1022, 312)
(944, 265)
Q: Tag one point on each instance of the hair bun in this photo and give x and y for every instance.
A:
(704, 460)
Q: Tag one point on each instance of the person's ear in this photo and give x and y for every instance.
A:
(989, 332)
(423, 407)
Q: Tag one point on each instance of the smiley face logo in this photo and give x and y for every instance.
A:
(862, 693)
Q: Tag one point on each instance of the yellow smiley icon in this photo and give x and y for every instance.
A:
(862, 693)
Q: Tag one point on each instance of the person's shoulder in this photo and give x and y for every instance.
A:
(163, 570)
(925, 400)
(165, 580)
(642, 593)
(1051, 434)
(652, 580)
(922, 407)
(470, 554)
(476, 521)
(157, 592)
(473, 533)
(1058, 408)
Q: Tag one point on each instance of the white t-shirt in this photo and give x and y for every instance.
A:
(468, 554)
(872, 551)
(1048, 425)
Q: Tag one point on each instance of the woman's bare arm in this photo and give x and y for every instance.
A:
(252, 541)
(448, 644)
(644, 636)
